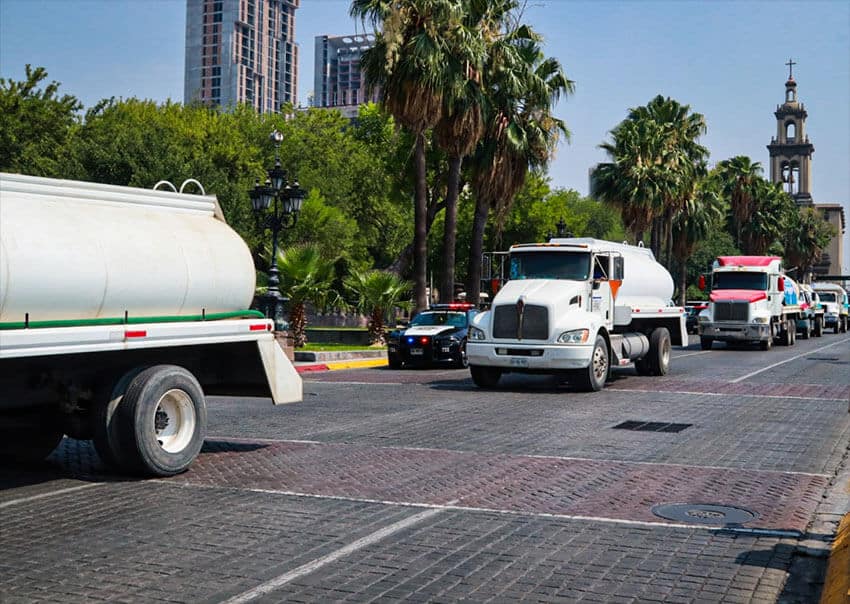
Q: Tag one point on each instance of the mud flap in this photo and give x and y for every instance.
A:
(284, 382)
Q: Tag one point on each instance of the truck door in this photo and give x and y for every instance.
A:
(601, 297)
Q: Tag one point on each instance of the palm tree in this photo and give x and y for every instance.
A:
(409, 62)
(305, 276)
(378, 292)
(738, 176)
(770, 209)
(521, 86)
(694, 222)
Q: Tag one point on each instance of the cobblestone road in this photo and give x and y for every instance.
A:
(417, 486)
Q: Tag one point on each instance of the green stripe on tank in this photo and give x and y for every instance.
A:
(237, 314)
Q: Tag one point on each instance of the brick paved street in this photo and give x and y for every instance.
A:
(414, 485)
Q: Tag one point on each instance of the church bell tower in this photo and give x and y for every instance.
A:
(790, 150)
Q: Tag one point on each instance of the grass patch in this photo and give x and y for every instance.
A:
(328, 347)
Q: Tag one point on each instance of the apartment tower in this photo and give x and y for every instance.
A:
(241, 51)
(337, 79)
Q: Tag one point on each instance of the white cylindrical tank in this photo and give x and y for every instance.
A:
(645, 281)
(72, 250)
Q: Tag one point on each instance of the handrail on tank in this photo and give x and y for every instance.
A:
(164, 182)
(192, 181)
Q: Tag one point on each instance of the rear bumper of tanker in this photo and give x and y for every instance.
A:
(529, 357)
(735, 332)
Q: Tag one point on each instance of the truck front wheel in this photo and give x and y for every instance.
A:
(162, 421)
(593, 377)
(818, 329)
(485, 377)
(705, 343)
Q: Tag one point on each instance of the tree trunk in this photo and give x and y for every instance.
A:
(479, 223)
(447, 287)
(402, 264)
(420, 231)
(298, 324)
(683, 280)
(376, 327)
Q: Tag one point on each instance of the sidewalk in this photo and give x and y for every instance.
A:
(306, 362)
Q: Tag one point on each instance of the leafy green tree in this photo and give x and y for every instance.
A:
(378, 293)
(521, 88)
(701, 214)
(770, 211)
(738, 177)
(306, 276)
(35, 123)
(806, 236)
(409, 62)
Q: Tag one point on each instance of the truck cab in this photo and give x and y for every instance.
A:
(751, 300)
(572, 307)
(835, 302)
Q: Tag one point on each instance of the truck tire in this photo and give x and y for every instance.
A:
(105, 433)
(485, 377)
(806, 332)
(785, 334)
(29, 436)
(161, 421)
(766, 344)
(657, 360)
(792, 330)
(706, 343)
(837, 327)
(818, 330)
(593, 377)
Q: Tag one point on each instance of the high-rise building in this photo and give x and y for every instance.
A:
(337, 78)
(241, 51)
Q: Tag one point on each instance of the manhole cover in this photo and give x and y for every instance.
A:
(703, 513)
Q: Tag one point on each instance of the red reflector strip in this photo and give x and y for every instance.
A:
(259, 327)
(135, 334)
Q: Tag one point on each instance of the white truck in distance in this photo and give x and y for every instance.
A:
(575, 307)
(120, 309)
(834, 299)
(752, 300)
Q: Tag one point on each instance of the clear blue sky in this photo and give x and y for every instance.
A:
(725, 59)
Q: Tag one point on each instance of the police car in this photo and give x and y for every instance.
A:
(434, 336)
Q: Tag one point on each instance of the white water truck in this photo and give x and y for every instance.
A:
(120, 310)
(575, 307)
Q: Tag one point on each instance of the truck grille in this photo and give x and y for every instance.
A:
(731, 311)
(535, 322)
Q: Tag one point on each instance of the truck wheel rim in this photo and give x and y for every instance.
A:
(665, 354)
(174, 420)
(600, 363)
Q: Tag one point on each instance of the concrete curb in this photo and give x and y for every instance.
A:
(836, 587)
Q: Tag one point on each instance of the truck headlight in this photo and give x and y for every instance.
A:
(576, 336)
(476, 334)
(761, 320)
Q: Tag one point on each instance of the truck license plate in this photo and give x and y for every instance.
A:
(416, 352)
(519, 362)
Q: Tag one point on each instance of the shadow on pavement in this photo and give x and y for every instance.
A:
(806, 571)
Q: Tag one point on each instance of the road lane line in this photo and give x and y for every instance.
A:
(309, 567)
(736, 395)
(50, 494)
(533, 456)
(456, 506)
(691, 354)
(794, 358)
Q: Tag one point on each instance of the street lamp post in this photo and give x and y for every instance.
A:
(285, 199)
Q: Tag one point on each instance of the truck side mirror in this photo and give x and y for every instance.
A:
(619, 268)
(702, 282)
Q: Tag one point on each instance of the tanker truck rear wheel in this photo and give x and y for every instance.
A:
(657, 360)
(162, 421)
(593, 377)
(705, 343)
(105, 432)
(818, 330)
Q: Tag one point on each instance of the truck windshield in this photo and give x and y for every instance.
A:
(827, 297)
(740, 280)
(550, 265)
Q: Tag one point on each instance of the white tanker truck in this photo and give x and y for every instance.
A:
(575, 307)
(120, 309)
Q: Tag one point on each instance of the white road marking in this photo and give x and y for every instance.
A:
(455, 506)
(794, 358)
(531, 456)
(309, 567)
(691, 354)
(738, 395)
(50, 494)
